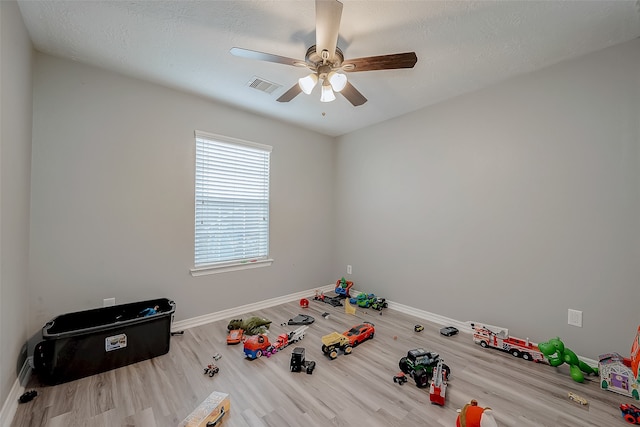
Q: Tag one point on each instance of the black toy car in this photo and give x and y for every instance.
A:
(448, 331)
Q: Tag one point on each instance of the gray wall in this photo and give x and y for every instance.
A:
(113, 197)
(15, 160)
(507, 206)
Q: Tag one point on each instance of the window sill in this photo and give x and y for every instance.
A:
(225, 268)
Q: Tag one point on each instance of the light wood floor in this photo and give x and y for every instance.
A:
(353, 390)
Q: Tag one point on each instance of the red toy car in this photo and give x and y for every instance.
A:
(235, 336)
(360, 333)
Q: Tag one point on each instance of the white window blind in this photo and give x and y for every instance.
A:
(232, 200)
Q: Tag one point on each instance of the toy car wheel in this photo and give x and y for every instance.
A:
(211, 373)
(258, 353)
(526, 356)
(630, 418)
(515, 352)
(333, 354)
(421, 378)
(484, 344)
(404, 366)
(348, 349)
(371, 336)
(446, 370)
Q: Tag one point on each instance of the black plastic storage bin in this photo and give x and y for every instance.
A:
(84, 343)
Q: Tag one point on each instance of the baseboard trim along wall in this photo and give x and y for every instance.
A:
(11, 404)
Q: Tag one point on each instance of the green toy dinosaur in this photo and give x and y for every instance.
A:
(251, 326)
(555, 351)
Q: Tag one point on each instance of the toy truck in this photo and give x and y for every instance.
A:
(438, 388)
(497, 337)
(298, 361)
(285, 340)
(256, 345)
(333, 342)
(420, 364)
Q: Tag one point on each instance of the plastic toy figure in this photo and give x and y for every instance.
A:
(251, 326)
(343, 286)
(149, 311)
(472, 415)
(557, 354)
(418, 328)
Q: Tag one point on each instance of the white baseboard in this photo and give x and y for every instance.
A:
(11, 404)
(243, 309)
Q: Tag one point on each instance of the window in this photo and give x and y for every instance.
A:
(231, 204)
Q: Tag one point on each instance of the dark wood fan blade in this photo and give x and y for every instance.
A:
(261, 56)
(290, 94)
(383, 62)
(353, 95)
(328, 14)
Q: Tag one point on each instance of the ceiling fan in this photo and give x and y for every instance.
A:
(326, 60)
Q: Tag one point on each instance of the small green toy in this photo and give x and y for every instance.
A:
(555, 351)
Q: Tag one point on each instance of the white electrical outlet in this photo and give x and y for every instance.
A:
(108, 302)
(349, 269)
(575, 318)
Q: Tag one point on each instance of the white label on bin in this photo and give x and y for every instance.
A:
(115, 342)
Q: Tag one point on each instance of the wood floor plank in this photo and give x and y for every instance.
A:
(352, 390)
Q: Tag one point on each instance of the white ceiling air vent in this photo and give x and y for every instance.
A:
(263, 85)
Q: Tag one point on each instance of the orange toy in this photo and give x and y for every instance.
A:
(473, 415)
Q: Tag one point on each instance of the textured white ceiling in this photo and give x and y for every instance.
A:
(461, 46)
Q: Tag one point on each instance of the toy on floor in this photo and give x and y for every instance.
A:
(630, 413)
(255, 346)
(400, 378)
(438, 388)
(211, 369)
(498, 338)
(298, 361)
(557, 354)
(472, 415)
(235, 336)
(369, 301)
(304, 303)
(333, 342)
(348, 308)
(285, 340)
(334, 301)
(578, 399)
(360, 333)
(620, 374)
(420, 364)
(343, 286)
(28, 396)
(251, 326)
(301, 319)
(448, 331)
(418, 328)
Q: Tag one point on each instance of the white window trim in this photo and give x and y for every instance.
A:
(225, 267)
